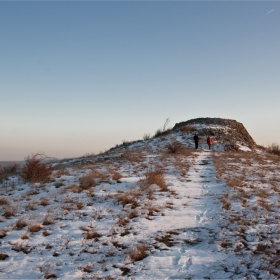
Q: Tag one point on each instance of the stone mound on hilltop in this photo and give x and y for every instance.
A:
(230, 133)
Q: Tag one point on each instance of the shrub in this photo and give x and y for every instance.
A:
(274, 148)
(174, 147)
(9, 212)
(44, 201)
(34, 227)
(156, 177)
(34, 170)
(20, 223)
(91, 235)
(146, 137)
(4, 201)
(24, 236)
(138, 252)
(3, 233)
(47, 220)
(8, 170)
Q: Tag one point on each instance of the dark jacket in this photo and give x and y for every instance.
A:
(196, 138)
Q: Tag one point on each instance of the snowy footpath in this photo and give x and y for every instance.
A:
(194, 227)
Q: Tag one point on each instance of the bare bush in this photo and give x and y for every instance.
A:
(138, 252)
(146, 137)
(8, 170)
(35, 170)
(274, 148)
(174, 147)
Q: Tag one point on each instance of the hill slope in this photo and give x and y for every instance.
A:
(141, 211)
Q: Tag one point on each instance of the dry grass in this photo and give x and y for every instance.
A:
(20, 223)
(3, 233)
(122, 221)
(60, 172)
(116, 176)
(46, 232)
(225, 244)
(79, 204)
(34, 227)
(87, 268)
(24, 236)
(34, 170)
(187, 129)
(3, 256)
(47, 220)
(138, 252)
(166, 239)
(31, 205)
(169, 204)
(234, 182)
(4, 201)
(129, 197)
(7, 171)
(44, 201)
(262, 193)
(92, 179)
(274, 148)
(75, 188)
(156, 176)
(9, 212)
(151, 208)
(91, 235)
(225, 204)
(133, 214)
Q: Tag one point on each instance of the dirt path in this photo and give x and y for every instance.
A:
(195, 223)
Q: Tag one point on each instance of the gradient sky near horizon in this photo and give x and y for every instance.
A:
(79, 77)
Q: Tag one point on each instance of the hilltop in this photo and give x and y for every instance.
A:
(147, 209)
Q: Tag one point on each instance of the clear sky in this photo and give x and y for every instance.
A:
(79, 77)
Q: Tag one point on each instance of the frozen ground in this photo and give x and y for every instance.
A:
(142, 213)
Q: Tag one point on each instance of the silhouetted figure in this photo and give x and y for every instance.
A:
(209, 142)
(196, 139)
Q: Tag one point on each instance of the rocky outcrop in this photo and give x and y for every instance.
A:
(230, 133)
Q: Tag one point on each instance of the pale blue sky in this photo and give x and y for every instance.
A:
(79, 77)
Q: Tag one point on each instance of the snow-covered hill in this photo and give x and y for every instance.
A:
(143, 211)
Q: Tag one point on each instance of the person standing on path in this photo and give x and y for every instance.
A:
(196, 139)
(209, 142)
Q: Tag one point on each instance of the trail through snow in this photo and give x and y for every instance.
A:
(197, 256)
